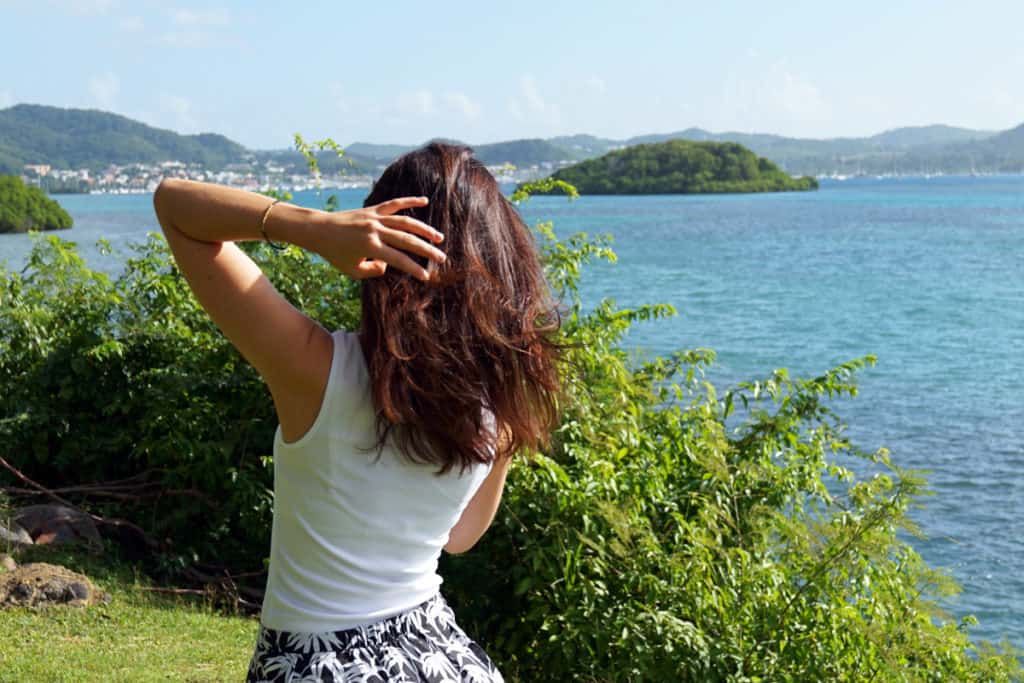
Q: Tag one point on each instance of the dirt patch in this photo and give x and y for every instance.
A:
(39, 583)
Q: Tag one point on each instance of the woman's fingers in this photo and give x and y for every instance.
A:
(402, 261)
(410, 224)
(367, 268)
(396, 238)
(411, 243)
(396, 205)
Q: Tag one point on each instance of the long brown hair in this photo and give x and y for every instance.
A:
(477, 338)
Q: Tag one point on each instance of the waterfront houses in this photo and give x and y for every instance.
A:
(139, 178)
(250, 174)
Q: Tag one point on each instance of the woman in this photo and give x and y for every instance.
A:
(394, 442)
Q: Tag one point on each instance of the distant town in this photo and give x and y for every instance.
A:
(255, 175)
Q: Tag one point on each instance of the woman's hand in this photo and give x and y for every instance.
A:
(362, 243)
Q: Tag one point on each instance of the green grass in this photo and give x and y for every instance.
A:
(137, 636)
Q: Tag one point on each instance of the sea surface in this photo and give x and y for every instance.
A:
(927, 274)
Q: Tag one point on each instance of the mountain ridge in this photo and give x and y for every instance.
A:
(92, 138)
(89, 138)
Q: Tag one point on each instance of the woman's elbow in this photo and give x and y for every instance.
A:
(457, 548)
(453, 549)
(460, 543)
(161, 197)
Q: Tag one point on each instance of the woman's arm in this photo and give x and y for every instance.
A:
(479, 514)
(482, 507)
(290, 351)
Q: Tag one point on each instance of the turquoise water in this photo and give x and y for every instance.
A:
(926, 274)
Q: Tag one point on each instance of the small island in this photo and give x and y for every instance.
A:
(681, 167)
(24, 208)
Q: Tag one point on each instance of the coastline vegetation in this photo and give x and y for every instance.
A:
(87, 138)
(674, 530)
(681, 167)
(24, 208)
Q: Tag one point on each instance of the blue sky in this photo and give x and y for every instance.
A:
(403, 72)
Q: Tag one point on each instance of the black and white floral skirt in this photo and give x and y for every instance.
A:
(423, 644)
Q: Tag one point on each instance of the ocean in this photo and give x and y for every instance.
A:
(925, 273)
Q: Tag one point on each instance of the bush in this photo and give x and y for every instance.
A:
(120, 379)
(24, 208)
(673, 531)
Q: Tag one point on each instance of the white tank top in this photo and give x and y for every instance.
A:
(356, 538)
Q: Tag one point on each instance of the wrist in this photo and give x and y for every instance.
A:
(296, 225)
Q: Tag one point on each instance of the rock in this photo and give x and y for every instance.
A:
(12, 532)
(39, 583)
(58, 524)
(8, 563)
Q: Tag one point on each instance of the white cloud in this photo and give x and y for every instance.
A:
(528, 105)
(179, 110)
(337, 93)
(85, 7)
(1000, 108)
(104, 89)
(184, 38)
(415, 114)
(595, 85)
(530, 95)
(364, 109)
(462, 103)
(5, 99)
(131, 24)
(216, 16)
(799, 98)
(196, 28)
(417, 102)
(778, 99)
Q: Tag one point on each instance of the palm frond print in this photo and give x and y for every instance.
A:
(424, 644)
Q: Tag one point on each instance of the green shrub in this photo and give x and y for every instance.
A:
(24, 208)
(674, 531)
(105, 379)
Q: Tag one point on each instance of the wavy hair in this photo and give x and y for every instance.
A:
(478, 338)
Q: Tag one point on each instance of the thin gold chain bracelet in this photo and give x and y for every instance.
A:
(263, 228)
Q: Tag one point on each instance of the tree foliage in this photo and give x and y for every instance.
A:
(85, 138)
(673, 531)
(24, 208)
(680, 167)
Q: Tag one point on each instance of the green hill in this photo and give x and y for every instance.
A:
(516, 152)
(914, 149)
(1003, 152)
(681, 167)
(582, 146)
(521, 152)
(24, 208)
(928, 135)
(87, 138)
(379, 153)
(911, 149)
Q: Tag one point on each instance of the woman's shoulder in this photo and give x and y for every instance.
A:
(348, 365)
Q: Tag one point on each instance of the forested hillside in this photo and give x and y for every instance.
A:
(87, 138)
(680, 167)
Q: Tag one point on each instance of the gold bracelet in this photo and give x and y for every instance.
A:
(263, 228)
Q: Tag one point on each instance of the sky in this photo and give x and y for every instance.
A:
(392, 71)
